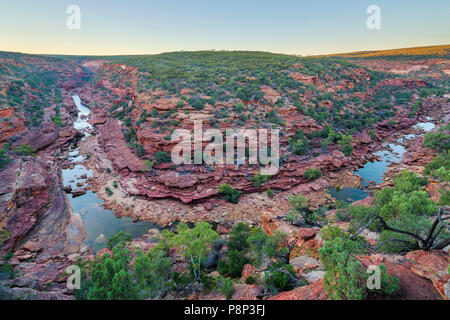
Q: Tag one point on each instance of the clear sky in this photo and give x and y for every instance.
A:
(282, 26)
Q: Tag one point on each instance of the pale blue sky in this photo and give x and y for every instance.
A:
(284, 26)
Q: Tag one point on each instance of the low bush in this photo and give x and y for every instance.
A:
(229, 193)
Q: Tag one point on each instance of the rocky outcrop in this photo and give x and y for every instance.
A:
(247, 292)
(313, 291)
(49, 139)
(432, 266)
(24, 195)
(12, 124)
(123, 159)
(21, 293)
(422, 274)
(42, 231)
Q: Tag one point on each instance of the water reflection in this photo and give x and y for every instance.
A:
(372, 172)
(99, 223)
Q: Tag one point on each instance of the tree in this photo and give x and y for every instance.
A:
(407, 218)
(118, 239)
(439, 168)
(194, 243)
(153, 272)
(123, 287)
(279, 277)
(264, 247)
(110, 278)
(235, 258)
(345, 277)
(57, 121)
(122, 275)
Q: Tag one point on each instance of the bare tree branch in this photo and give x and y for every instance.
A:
(425, 244)
(365, 226)
(442, 244)
(441, 220)
(387, 241)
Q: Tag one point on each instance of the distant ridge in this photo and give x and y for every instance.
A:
(440, 50)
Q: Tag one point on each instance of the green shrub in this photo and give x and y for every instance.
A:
(345, 277)
(162, 157)
(120, 237)
(330, 233)
(194, 243)
(148, 165)
(236, 258)
(299, 146)
(229, 193)
(444, 198)
(139, 149)
(153, 272)
(345, 140)
(312, 174)
(250, 280)
(109, 191)
(57, 121)
(439, 141)
(227, 288)
(110, 277)
(279, 278)
(404, 213)
(389, 285)
(439, 168)
(4, 160)
(343, 215)
(4, 235)
(259, 179)
(299, 209)
(26, 150)
(347, 150)
(233, 263)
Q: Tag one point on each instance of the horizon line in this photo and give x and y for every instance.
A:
(220, 50)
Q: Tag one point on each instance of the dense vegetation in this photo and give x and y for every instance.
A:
(236, 88)
(123, 272)
(32, 83)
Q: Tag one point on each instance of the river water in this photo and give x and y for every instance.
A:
(374, 171)
(99, 223)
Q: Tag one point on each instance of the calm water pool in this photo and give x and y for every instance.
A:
(99, 223)
(374, 171)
